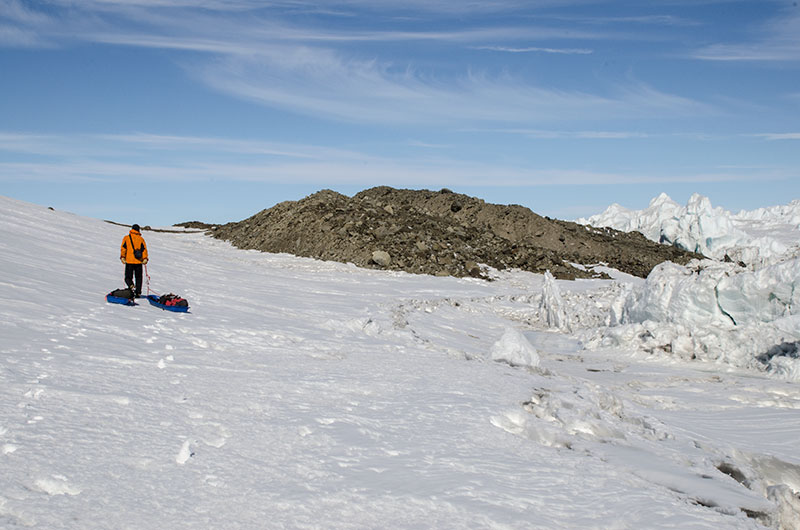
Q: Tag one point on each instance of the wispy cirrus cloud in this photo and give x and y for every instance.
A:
(776, 40)
(205, 34)
(162, 158)
(778, 136)
(323, 83)
(400, 173)
(144, 145)
(20, 38)
(21, 26)
(544, 134)
(16, 11)
(648, 20)
(534, 49)
(333, 6)
(246, 49)
(557, 134)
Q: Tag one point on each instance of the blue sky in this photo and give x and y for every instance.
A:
(160, 111)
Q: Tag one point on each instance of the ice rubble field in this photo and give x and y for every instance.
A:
(758, 237)
(305, 394)
(743, 310)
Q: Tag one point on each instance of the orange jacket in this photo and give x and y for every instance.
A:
(126, 250)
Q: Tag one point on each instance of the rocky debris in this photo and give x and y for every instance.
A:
(196, 225)
(441, 233)
(381, 258)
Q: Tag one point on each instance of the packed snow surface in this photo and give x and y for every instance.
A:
(305, 394)
(759, 237)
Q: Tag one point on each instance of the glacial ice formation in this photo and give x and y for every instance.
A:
(756, 238)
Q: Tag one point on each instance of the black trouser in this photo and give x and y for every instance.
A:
(130, 270)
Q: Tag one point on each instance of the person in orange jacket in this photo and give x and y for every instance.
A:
(133, 253)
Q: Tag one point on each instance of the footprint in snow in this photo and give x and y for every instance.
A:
(216, 435)
(210, 433)
(214, 481)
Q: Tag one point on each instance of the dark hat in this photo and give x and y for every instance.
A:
(136, 227)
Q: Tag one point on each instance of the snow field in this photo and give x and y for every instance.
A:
(304, 394)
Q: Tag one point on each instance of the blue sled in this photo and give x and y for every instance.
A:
(119, 300)
(153, 299)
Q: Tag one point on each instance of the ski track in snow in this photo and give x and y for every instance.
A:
(304, 394)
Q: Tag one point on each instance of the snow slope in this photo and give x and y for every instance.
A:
(306, 394)
(756, 238)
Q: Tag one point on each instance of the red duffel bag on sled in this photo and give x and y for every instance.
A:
(169, 302)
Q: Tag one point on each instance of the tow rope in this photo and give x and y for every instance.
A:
(147, 274)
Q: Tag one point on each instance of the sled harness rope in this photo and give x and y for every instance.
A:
(147, 274)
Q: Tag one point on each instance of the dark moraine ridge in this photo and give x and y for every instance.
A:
(441, 233)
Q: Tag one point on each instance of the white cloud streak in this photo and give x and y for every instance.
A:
(15, 10)
(405, 8)
(249, 55)
(157, 158)
(226, 37)
(321, 83)
(533, 49)
(649, 20)
(327, 174)
(16, 37)
(132, 145)
(18, 25)
(779, 136)
(541, 134)
(778, 40)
